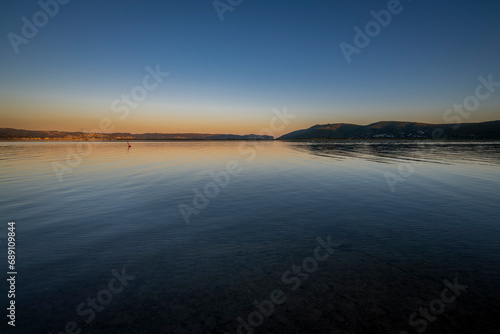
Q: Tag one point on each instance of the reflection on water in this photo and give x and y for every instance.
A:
(118, 207)
(438, 152)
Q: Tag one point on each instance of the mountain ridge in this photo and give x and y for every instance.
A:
(378, 130)
(398, 130)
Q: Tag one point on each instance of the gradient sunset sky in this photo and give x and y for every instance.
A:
(227, 76)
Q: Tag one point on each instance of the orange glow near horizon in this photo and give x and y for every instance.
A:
(52, 119)
(50, 115)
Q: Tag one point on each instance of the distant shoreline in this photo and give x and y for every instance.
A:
(249, 140)
(380, 131)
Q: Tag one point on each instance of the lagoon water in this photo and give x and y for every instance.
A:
(404, 217)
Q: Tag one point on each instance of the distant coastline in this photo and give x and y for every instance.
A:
(19, 134)
(380, 131)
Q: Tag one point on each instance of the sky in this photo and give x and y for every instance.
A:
(230, 63)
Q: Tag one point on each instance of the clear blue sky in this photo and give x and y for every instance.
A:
(227, 76)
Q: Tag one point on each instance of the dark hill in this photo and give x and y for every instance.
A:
(399, 130)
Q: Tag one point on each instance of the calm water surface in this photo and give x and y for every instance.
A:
(404, 217)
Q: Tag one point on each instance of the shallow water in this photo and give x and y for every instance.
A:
(404, 217)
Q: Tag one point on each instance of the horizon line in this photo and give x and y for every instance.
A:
(206, 133)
